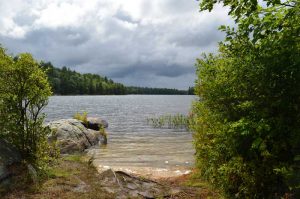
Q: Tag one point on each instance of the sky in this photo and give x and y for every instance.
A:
(152, 43)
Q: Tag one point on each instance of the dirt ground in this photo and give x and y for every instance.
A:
(72, 177)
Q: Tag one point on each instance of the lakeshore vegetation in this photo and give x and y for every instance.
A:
(246, 123)
(24, 92)
(65, 81)
(177, 121)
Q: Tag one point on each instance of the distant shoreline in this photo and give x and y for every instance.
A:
(116, 95)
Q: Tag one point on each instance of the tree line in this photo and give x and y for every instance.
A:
(65, 81)
(155, 91)
(68, 82)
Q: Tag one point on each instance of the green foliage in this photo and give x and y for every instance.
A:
(247, 120)
(81, 117)
(177, 121)
(74, 158)
(191, 91)
(102, 131)
(24, 92)
(240, 9)
(154, 91)
(67, 82)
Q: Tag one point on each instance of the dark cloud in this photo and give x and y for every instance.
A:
(68, 37)
(151, 44)
(61, 46)
(155, 68)
(200, 36)
(174, 71)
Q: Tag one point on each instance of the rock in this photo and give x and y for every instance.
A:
(81, 187)
(32, 173)
(95, 123)
(124, 186)
(103, 139)
(72, 135)
(9, 156)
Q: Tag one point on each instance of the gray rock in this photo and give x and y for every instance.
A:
(9, 156)
(95, 123)
(32, 173)
(81, 187)
(72, 136)
(124, 186)
(103, 140)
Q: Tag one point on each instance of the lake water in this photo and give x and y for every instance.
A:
(132, 143)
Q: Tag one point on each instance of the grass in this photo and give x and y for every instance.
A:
(59, 173)
(178, 121)
(81, 117)
(74, 158)
(193, 186)
(71, 177)
(103, 132)
(207, 190)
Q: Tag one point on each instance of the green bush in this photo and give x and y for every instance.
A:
(246, 123)
(81, 117)
(24, 92)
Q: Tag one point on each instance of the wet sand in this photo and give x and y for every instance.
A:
(157, 156)
(147, 172)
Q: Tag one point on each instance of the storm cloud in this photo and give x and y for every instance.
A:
(136, 42)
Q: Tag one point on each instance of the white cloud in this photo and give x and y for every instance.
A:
(121, 39)
(59, 15)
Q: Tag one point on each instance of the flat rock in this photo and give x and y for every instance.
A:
(124, 185)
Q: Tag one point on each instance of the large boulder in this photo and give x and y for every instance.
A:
(9, 157)
(95, 123)
(72, 136)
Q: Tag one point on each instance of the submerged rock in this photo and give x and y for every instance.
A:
(103, 139)
(72, 136)
(95, 123)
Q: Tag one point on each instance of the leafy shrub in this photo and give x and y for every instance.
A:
(247, 120)
(24, 92)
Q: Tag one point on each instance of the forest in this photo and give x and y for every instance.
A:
(154, 91)
(65, 81)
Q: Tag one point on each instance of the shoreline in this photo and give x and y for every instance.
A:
(146, 172)
(74, 176)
